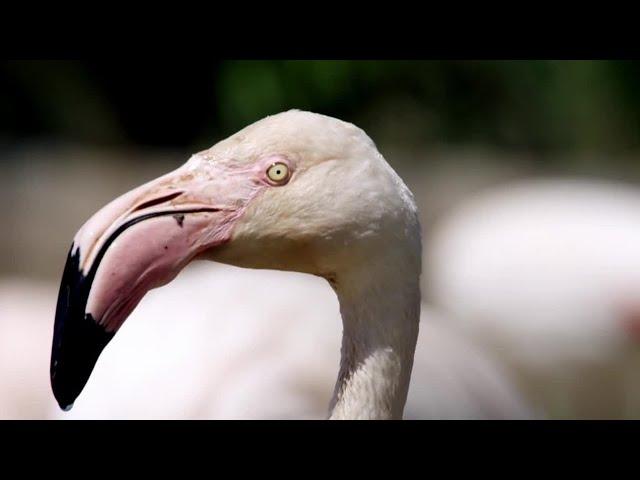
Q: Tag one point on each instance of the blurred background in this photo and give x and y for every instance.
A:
(525, 172)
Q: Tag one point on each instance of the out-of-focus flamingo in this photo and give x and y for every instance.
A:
(25, 334)
(546, 275)
(230, 367)
(270, 358)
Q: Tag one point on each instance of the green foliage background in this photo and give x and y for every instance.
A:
(542, 105)
(539, 106)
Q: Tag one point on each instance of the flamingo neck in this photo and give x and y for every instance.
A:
(380, 315)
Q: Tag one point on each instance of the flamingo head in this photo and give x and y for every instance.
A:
(295, 191)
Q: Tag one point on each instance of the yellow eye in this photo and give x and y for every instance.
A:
(278, 173)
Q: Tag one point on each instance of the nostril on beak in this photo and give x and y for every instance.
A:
(157, 201)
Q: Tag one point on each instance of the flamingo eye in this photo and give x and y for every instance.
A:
(278, 173)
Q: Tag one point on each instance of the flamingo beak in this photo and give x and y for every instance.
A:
(137, 242)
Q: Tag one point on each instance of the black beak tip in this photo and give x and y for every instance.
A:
(78, 339)
(63, 396)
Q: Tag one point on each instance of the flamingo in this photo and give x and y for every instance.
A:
(544, 274)
(294, 191)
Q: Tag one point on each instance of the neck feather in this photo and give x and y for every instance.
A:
(380, 314)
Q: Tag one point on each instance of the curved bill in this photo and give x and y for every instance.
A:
(138, 242)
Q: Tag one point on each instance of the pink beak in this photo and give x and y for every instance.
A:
(137, 242)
